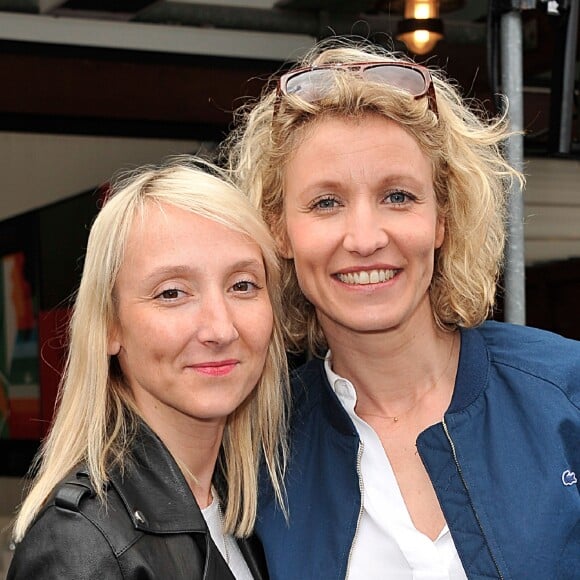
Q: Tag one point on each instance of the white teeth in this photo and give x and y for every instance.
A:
(365, 277)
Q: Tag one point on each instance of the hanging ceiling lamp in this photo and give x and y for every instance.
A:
(421, 28)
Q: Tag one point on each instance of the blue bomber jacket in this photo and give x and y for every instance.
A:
(504, 462)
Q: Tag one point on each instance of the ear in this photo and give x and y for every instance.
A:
(439, 232)
(114, 342)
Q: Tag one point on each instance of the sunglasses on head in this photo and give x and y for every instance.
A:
(313, 83)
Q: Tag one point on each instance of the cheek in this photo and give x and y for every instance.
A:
(140, 352)
(311, 246)
(149, 341)
(265, 327)
(255, 326)
(425, 236)
(302, 236)
(305, 280)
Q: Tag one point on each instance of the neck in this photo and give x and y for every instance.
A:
(196, 456)
(194, 445)
(394, 371)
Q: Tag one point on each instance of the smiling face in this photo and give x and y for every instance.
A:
(194, 318)
(361, 225)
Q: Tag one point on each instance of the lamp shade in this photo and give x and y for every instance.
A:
(421, 27)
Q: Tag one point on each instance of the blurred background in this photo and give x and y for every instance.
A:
(91, 87)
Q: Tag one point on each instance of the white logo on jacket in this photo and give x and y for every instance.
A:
(569, 477)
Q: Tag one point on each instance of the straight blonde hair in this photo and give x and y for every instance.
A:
(95, 418)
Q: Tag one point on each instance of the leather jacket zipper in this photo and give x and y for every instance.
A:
(362, 493)
(448, 435)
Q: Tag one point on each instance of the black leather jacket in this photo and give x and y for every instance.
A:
(151, 527)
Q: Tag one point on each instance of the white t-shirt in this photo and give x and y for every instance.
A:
(226, 544)
(387, 544)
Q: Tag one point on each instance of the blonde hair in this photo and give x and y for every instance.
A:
(95, 419)
(471, 179)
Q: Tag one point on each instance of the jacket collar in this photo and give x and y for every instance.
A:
(154, 490)
(472, 372)
(306, 396)
(472, 376)
(158, 500)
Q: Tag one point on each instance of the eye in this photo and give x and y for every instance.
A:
(399, 197)
(324, 203)
(170, 294)
(246, 287)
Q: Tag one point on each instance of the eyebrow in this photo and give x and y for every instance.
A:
(181, 270)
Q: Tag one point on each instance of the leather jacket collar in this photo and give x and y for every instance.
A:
(154, 490)
(158, 500)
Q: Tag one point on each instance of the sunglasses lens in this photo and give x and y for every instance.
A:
(314, 84)
(407, 79)
(310, 85)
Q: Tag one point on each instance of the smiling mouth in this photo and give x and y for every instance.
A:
(365, 277)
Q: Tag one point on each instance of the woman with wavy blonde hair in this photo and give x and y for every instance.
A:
(421, 433)
(173, 392)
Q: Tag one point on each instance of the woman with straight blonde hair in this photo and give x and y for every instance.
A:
(173, 393)
(426, 442)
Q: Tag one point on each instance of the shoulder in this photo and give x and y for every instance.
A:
(70, 537)
(537, 353)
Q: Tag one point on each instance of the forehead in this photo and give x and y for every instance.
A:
(165, 234)
(326, 130)
(159, 219)
(339, 135)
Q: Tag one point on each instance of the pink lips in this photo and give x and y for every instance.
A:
(215, 369)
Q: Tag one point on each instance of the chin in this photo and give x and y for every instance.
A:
(221, 410)
(371, 324)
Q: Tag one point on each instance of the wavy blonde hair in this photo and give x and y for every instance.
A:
(95, 419)
(471, 179)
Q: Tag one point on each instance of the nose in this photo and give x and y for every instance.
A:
(365, 231)
(216, 323)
